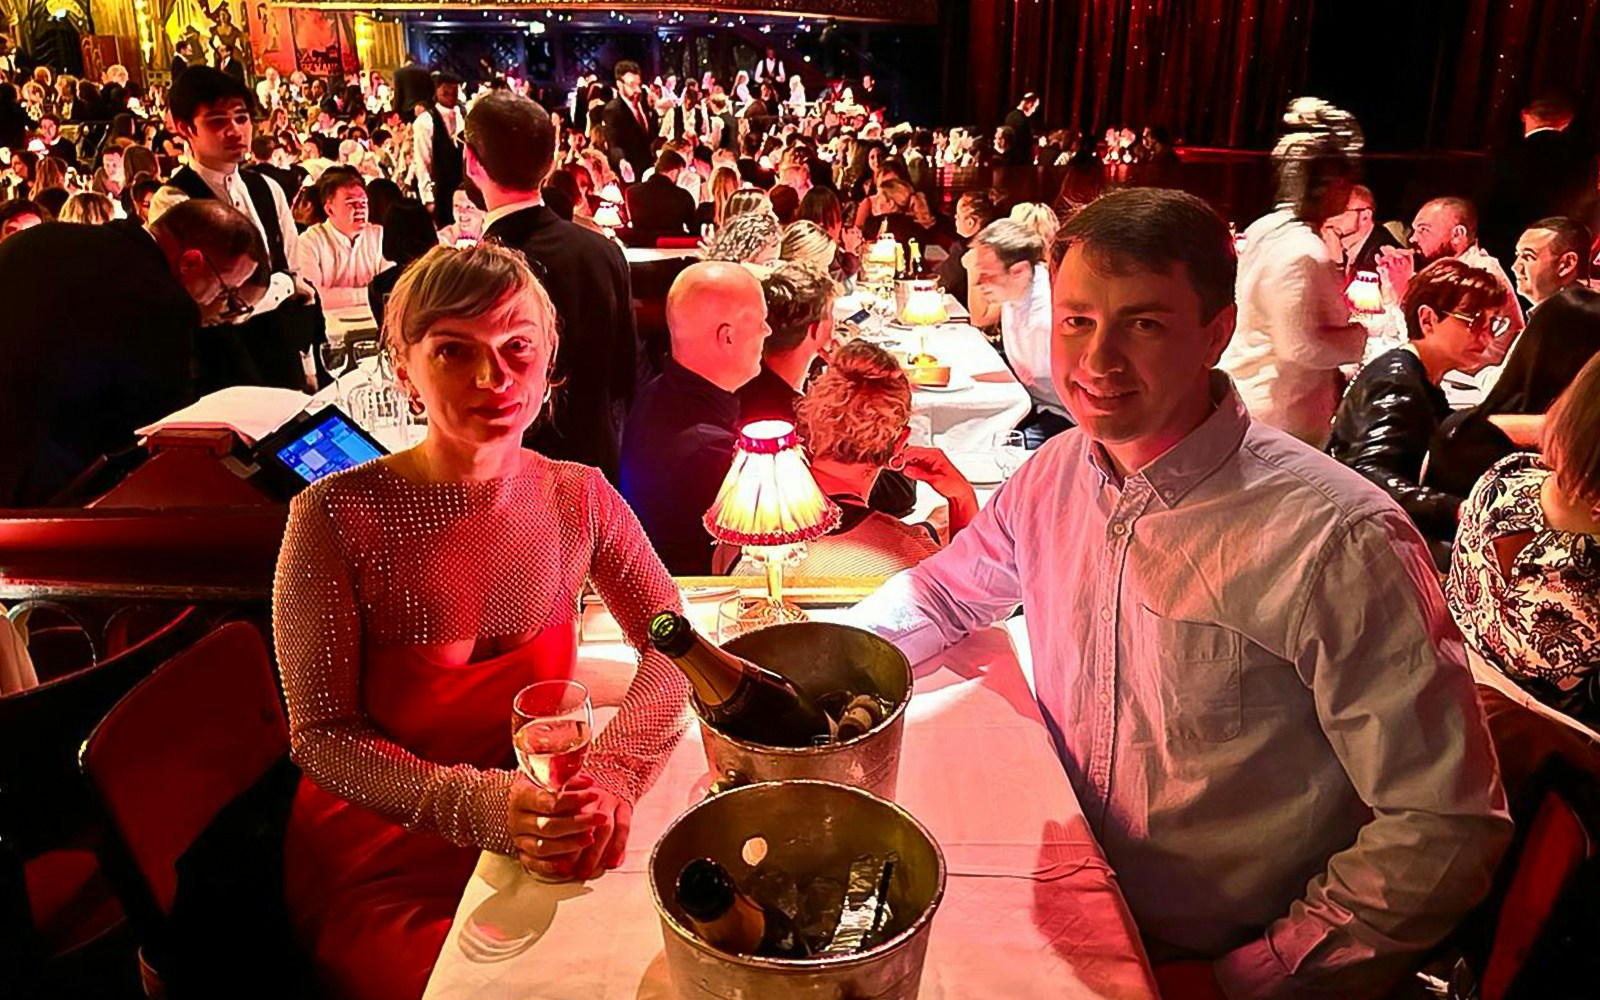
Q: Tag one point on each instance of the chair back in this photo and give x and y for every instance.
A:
(44, 804)
(188, 740)
(1540, 926)
(677, 243)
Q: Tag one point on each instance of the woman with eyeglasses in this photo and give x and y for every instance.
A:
(1395, 404)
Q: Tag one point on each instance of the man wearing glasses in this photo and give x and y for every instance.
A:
(141, 299)
(211, 111)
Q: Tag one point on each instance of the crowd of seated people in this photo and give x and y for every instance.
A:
(1185, 395)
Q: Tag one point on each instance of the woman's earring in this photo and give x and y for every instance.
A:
(414, 402)
(897, 462)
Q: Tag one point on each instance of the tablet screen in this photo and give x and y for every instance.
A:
(325, 447)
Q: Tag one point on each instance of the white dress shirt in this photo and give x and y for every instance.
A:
(1025, 334)
(1294, 328)
(422, 147)
(340, 268)
(1249, 673)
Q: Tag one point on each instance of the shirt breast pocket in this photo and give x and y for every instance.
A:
(1199, 666)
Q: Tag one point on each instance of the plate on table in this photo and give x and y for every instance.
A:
(958, 383)
(979, 467)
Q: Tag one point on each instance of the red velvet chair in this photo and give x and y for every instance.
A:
(55, 905)
(1538, 933)
(677, 243)
(172, 755)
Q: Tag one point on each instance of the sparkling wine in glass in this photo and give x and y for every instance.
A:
(551, 723)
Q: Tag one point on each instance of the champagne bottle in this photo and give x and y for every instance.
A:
(731, 921)
(740, 698)
(899, 262)
(914, 265)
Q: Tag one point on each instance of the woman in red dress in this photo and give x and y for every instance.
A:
(415, 596)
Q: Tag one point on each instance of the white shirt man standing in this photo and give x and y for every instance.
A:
(341, 256)
(1009, 268)
(436, 149)
(1240, 647)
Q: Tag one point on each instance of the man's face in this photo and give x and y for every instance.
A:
(1001, 283)
(213, 286)
(447, 94)
(220, 133)
(347, 209)
(867, 82)
(1433, 233)
(17, 223)
(1539, 271)
(47, 129)
(749, 330)
(113, 163)
(1029, 107)
(1130, 353)
(629, 85)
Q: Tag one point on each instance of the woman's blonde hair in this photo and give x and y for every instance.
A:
(1040, 219)
(808, 243)
(1571, 440)
(87, 207)
(857, 410)
(446, 283)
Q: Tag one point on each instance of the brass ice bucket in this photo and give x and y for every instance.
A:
(820, 658)
(808, 828)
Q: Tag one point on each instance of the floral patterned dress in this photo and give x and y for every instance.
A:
(1526, 595)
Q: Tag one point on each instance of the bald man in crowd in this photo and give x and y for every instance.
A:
(679, 439)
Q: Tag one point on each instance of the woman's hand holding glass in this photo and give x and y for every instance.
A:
(573, 834)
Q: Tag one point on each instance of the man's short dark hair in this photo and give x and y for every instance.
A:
(441, 77)
(183, 45)
(785, 203)
(750, 144)
(143, 185)
(333, 180)
(408, 231)
(796, 294)
(1156, 229)
(48, 117)
(513, 138)
(220, 232)
(625, 67)
(204, 86)
(263, 146)
(1571, 236)
(18, 207)
(669, 160)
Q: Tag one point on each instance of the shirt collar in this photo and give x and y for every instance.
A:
(689, 381)
(1189, 462)
(504, 210)
(215, 179)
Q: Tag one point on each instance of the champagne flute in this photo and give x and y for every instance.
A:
(551, 723)
(335, 356)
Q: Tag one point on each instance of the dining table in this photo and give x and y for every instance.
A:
(983, 399)
(1031, 907)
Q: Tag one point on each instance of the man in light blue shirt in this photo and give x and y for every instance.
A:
(1239, 646)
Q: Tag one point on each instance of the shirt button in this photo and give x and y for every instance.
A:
(1105, 614)
(1119, 528)
(1105, 697)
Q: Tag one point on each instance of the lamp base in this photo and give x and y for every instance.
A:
(749, 614)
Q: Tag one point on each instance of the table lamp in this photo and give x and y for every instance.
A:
(1364, 293)
(924, 310)
(770, 505)
(608, 217)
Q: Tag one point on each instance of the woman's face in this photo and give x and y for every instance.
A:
(874, 157)
(1462, 341)
(482, 379)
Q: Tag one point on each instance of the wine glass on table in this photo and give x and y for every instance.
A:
(551, 725)
(1010, 451)
(335, 361)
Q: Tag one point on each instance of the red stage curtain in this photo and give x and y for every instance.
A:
(1215, 72)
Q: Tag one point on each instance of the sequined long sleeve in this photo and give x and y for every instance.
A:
(319, 631)
(629, 754)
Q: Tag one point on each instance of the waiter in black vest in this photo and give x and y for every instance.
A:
(273, 343)
(436, 148)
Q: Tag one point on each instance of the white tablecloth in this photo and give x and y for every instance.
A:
(643, 255)
(1031, 907)
(991, 400)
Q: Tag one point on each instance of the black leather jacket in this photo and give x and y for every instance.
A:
(1382, 430)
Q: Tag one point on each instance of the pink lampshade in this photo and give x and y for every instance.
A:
(1364, 293)
(769, 496)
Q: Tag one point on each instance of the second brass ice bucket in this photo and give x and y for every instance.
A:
(821, 657)
(806, 828)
